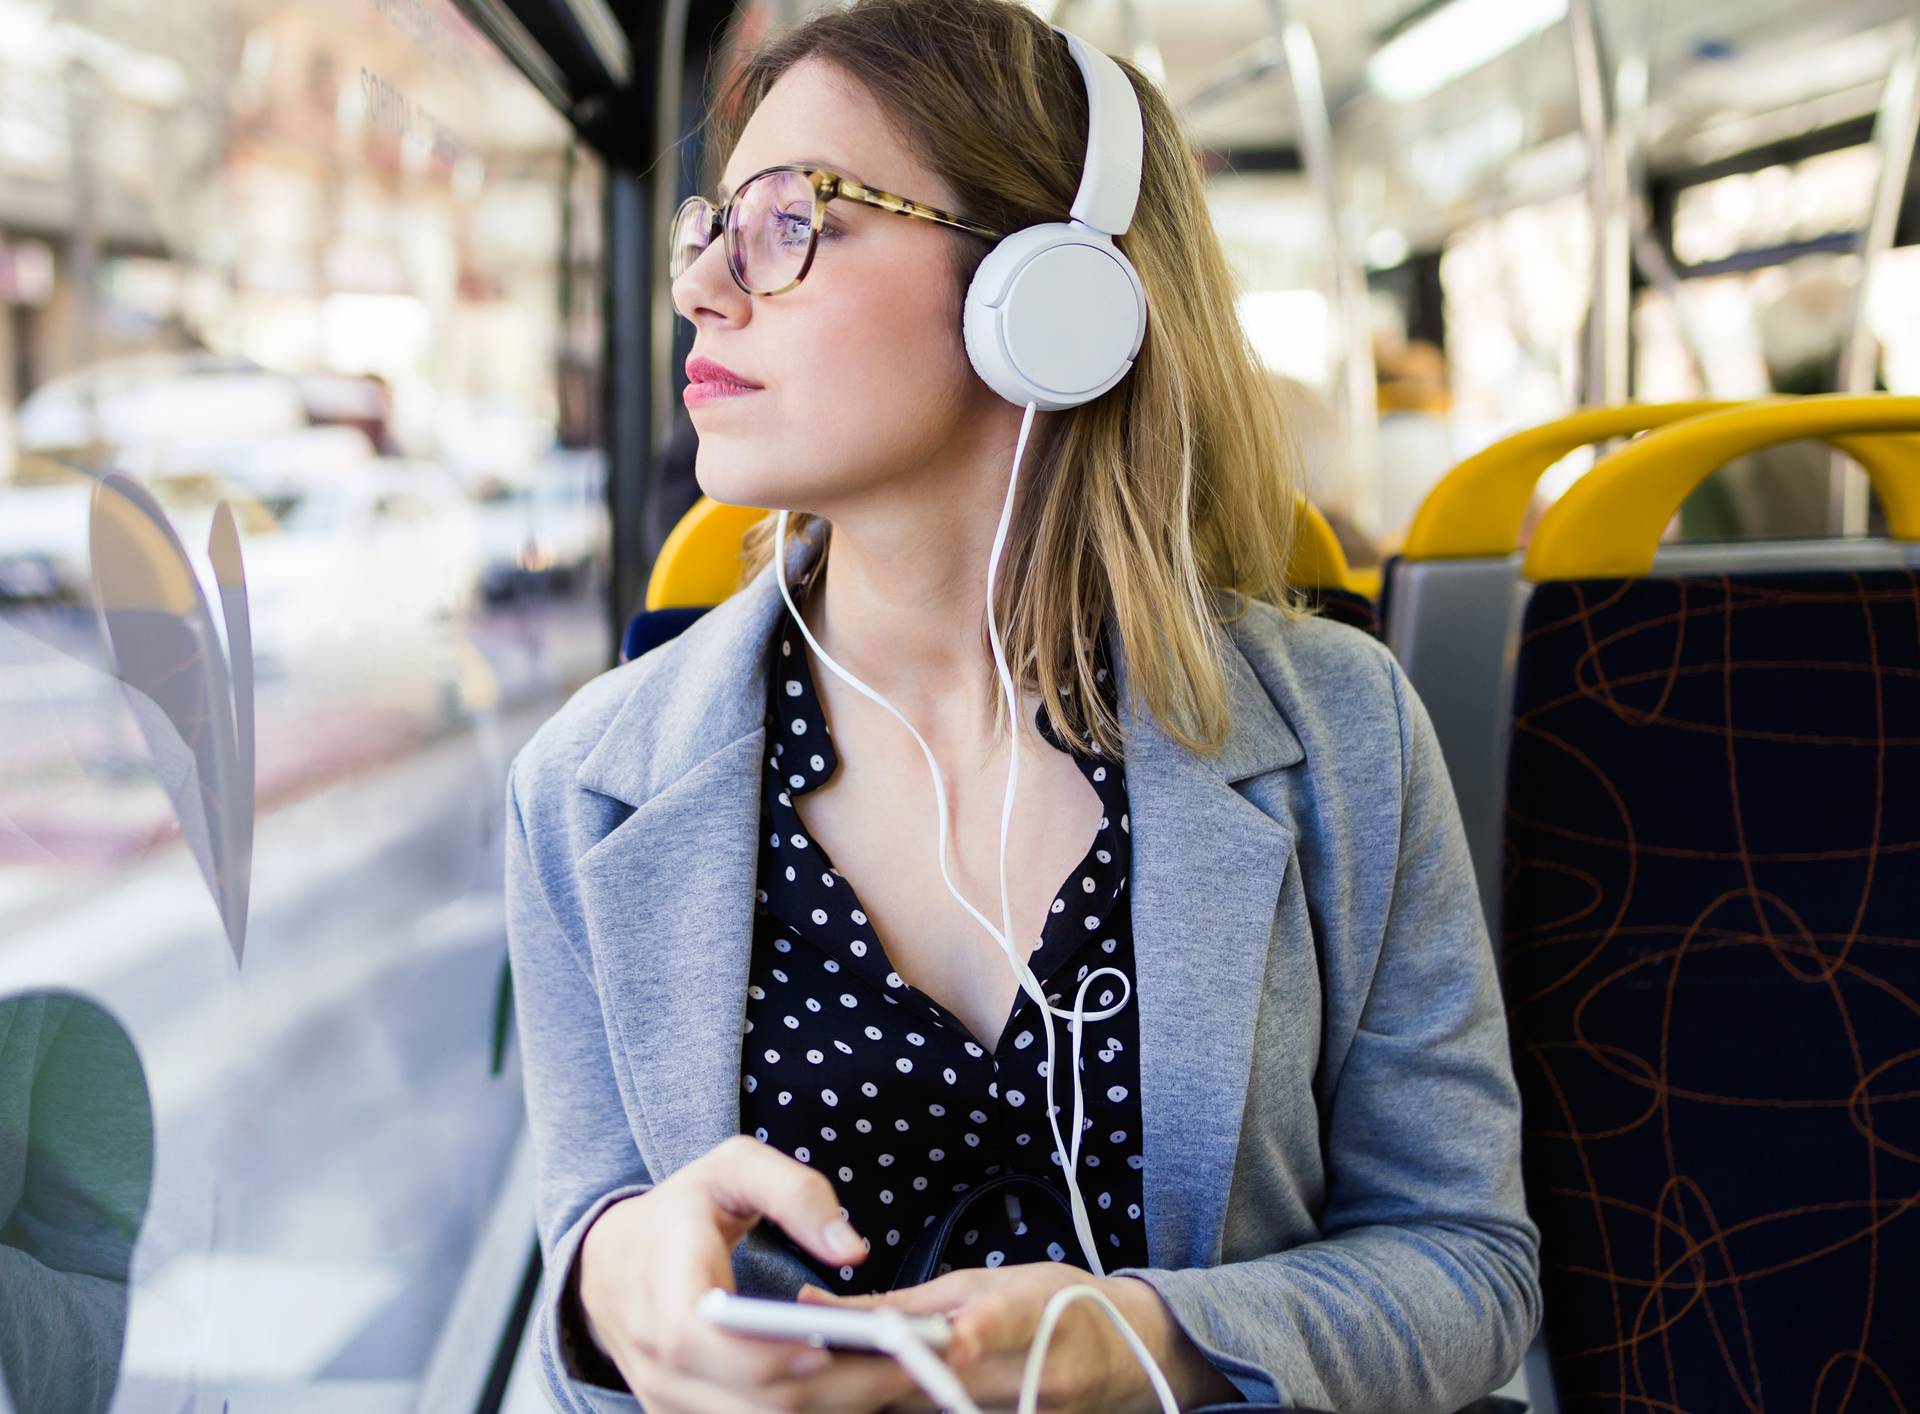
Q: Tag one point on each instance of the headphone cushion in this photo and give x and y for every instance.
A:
(1054, 316)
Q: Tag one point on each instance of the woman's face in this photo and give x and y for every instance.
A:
(863, 372)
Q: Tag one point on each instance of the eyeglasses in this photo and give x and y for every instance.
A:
(772, 224)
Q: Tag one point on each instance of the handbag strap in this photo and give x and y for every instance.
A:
(922, 1261)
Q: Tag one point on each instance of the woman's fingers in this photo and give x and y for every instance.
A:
(747, 1179)
(662, 1390)
(740, 1362)
(811, 1295)
(852, 1382)
(943, 1294)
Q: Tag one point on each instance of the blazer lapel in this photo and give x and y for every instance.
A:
(1206, 875)
(668, 897)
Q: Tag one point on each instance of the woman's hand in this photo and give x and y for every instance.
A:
(995, 1313)
(647, 1260)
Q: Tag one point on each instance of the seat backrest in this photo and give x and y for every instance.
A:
(699, 562)
(1711, 950)
(1449, 604)
(699, 565)
(1449, 597)
(1320, 571)
(1323, 577)
(652, 627)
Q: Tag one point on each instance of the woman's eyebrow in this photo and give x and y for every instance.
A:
(725, 191)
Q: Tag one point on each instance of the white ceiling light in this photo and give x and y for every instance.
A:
(1455, 39)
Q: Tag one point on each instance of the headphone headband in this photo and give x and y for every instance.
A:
(1116, 142)
(1055, 313)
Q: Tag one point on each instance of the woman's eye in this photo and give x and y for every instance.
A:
(792, 227)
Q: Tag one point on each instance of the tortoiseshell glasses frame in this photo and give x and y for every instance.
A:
(826, 186)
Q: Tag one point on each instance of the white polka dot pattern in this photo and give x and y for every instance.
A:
(909, 1115)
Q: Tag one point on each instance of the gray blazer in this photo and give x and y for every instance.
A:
(1330, 1122)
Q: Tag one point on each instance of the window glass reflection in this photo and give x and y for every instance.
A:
(302, 533)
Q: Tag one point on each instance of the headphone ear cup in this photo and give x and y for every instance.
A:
(1055, 316)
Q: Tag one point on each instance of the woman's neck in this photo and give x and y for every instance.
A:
(909, 624)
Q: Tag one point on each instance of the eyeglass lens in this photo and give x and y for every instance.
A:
(770, 230)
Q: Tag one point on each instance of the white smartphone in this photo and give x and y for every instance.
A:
(834, 1327)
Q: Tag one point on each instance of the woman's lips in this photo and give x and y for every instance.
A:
(714, 389)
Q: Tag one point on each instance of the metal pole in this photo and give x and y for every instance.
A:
(1894, 128)
(1352, 375)
(667, 122)
(1604, 371)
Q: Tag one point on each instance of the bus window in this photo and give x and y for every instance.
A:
(287, 288)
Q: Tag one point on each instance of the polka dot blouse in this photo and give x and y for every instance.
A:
(851, 1069)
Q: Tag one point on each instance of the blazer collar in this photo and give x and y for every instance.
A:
(706, 690)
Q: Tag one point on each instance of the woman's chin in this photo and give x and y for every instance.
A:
(734, 485)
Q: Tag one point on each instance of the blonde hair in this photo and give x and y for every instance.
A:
(1177, 483)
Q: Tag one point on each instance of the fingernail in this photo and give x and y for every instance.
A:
(811, 1363)
(843, 1239)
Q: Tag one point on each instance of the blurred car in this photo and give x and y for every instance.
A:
(147, 400)
(368, 579)
(43, 510)
(43, 534)
(550, 534)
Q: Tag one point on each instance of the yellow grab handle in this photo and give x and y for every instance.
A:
(1476, 509)
(699, 565)
(1318, 561)
(1609, 523)
(699, 561)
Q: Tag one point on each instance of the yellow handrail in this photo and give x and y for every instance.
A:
(699, 565)
(1610, 521)
(1318, 561)
(1476, 509)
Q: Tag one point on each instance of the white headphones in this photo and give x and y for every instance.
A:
(1056, 313)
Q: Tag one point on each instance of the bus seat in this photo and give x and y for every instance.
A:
(1448, 600)
(652, 627)
(1711, 951)
(699, 565)
(1319, 570)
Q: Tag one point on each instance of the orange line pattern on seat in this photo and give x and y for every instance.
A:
(1711, 943)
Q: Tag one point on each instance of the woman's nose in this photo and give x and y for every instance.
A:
(706, 285)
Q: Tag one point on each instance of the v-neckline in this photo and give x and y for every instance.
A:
(797, 849)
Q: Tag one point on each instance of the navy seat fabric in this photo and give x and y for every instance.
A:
(1344, 606)
(1712, 970)
(653, 628)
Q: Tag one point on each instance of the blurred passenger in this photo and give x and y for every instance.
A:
(1309, 421)
(1415, 446)
(1783, 491)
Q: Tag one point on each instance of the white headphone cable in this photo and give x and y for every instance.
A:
(1068, 1154)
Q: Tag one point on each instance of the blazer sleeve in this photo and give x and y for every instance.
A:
(584, 1156)
(1423, 1294)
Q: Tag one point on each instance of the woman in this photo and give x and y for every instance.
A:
(743, 989)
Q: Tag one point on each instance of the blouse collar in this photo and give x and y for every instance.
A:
(803, 742)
